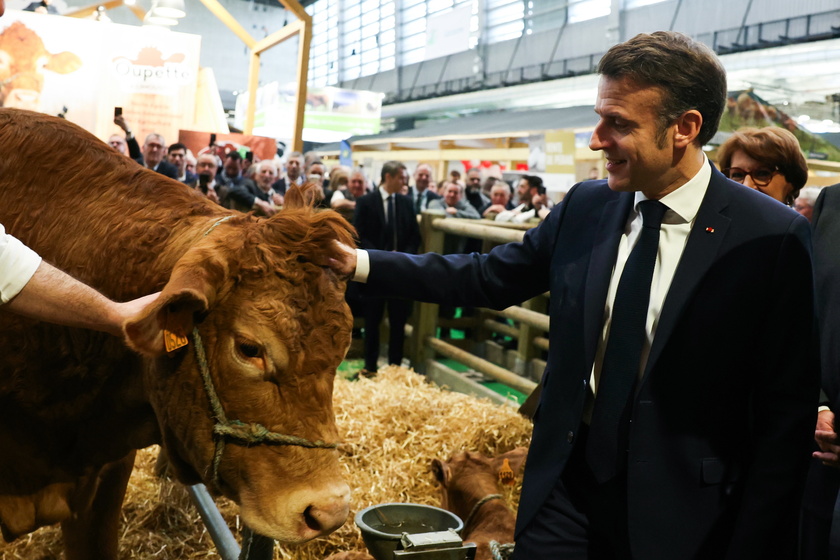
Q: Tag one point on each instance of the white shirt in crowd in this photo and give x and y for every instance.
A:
(17, 265)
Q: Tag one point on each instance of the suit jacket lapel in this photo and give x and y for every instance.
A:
(700, 253)
(601, 264)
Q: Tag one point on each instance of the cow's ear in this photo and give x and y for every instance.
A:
(441, 472)
(64, 63)
(516, 458)
(164, 326)
(303, 196)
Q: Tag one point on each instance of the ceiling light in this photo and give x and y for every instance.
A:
(168, 8)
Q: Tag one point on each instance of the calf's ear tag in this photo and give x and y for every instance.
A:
(506, 475)
(174, 341)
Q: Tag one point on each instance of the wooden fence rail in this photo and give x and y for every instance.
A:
(531, 321)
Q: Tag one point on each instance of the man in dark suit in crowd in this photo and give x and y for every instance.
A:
(678, 402)
(379, 228)
(821, 512)
(420, 194)
(154, 150)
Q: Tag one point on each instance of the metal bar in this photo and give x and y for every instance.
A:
(743, 23)
(217, 527)
(676, 13)
(487, 368)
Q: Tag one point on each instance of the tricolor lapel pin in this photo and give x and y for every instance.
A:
(710, 230)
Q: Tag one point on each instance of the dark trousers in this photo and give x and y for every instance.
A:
(817, 539)
(398, 311)
(580, 519)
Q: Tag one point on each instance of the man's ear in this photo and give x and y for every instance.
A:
(687, 128)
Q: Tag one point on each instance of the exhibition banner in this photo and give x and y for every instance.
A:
(82, 69)
(332, 114)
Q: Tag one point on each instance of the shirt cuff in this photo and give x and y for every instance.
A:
(18, 264)
(362, 266)
(823, 408)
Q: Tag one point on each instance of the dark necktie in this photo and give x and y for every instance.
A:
(418, 201)
(622, 357)
(391, 229)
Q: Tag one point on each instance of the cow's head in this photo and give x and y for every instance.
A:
(274, 325)
(467, 477)
(23, 59)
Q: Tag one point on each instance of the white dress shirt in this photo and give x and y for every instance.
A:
(683, 205)
(17, 265)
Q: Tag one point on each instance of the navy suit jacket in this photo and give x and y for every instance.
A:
(369, 219)
(724, 414)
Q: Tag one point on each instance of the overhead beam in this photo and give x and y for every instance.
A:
(230, 22)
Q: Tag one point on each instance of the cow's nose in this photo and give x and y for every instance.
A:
(328, 514)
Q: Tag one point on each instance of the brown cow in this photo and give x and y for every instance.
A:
(74, 404)
(469, 489)
(469, 484)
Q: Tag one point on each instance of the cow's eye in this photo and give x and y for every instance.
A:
(249, 350)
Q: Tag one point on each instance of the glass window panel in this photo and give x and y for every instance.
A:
(352, 12)
(388, 51)
(370, 31)
(507, 31)
(371, 18)
(411, 57)
(387, 64)
(630, 4)
(369, 43)
(371, 68)
(352, 73)
(414, 13)
(588, 9)
(352, 35)
(387, 22)
(412, 28)
(370, 5)
(387, 9)
(505, 14)
(387, 37)
(439, 5)
(370, 56)
(409, 3)
(413, 42)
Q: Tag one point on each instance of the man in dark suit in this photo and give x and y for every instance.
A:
(677, 406)
(379, 228)
(821, 511)
(420, 194)
(154, 150)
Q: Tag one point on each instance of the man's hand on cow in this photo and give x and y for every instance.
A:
(826, 439)
(264, 207)
(342, 260)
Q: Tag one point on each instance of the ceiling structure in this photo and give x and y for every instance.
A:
(802, 79)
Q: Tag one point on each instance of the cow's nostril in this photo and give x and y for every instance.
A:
(311, 520)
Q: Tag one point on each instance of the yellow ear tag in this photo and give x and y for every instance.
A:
(174, 341)
(506, 475)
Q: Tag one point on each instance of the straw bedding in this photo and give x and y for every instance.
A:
(392, 426)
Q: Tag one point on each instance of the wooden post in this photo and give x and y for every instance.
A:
(427, 314)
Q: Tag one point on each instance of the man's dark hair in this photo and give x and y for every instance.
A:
(687, 71)
(391, 168)
(176, 146)
(234, 155)
(535, 183)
